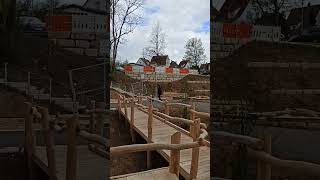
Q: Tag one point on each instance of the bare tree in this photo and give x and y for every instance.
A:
(124, 19)
(195, 52)
(157, 41)
(275, 7)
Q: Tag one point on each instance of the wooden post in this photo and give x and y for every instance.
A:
(29, 141)
(267, 148)
(150, 118)
(195, 151)
(48, 134)
(133, 138)
(167, 108)
(175, 154)
(99, 119)
(72, 149)
(259, 170)
(192, 116)
(125, 106)
(92, 118)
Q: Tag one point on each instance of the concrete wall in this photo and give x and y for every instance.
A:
(89, 44)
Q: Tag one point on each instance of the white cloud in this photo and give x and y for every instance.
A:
(179, 19)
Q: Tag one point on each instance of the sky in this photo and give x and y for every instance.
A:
(179, 19)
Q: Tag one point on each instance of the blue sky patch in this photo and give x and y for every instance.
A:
(152, 10)
(205, 27)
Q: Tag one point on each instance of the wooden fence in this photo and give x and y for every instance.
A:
(97, 142)
(197, 129)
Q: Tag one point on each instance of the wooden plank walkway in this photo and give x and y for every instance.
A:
(154, 174)
(161, 133)
(89, 164)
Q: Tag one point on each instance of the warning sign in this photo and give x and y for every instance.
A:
(149, 69)
(184, 71)
(59, 23)
(236, 30)
(169, 70)
(128, 69)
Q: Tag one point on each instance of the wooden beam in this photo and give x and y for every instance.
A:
(72, 149)
(267, 149)
(126, 149)
(195, 151)
(175, 154)
(252, 142)
(150, 119)
(48, 134)
(29, 141)
(295, 167)
(133, 138)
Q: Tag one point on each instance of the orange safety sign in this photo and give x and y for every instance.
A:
(128, 68)
(148, 69)
(169, 70)
(237, 30)
(184, 71)
(59, 23)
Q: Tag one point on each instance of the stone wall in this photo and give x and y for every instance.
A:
(88, 44)
(273, 76)
(158, 77)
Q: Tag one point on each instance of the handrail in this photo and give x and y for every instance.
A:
(178, 119)
(179, 104)
(252, 142)
(94, 138)
(200, 114)
(296, 167)
(151, 147)
(175, 119)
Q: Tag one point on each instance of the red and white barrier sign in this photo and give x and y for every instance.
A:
(128, 69)
(169, 70)
(237, 30)
(184, 71)
(59, 23)
(79, 23)
(148, 69)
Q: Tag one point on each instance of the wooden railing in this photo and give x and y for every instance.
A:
(260, 150)
(175, 147)
(97, 142)
(197, 131)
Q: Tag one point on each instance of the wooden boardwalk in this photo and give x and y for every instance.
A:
(161, 133)
(89, 164)
(154, 174)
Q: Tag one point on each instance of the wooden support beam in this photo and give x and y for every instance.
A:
(29, 141)
(92, 118)
(150, 119)
(48, 134)
(175, 154)
(195, 151)
(100, 119)
(267, 149)
(133, 138)
(167, 108)
(125, 106)
(72, 149)
(192, 116)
